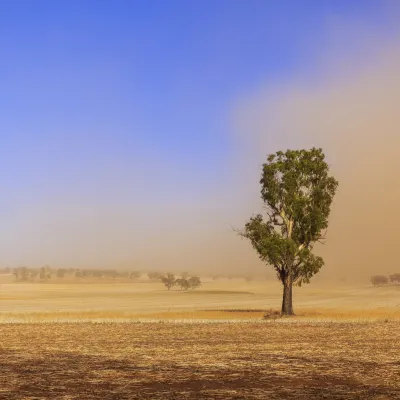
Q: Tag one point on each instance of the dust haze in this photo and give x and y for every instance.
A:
(351, 110)
(353, 114)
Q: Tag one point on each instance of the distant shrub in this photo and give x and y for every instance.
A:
(21, 274)
(395, 278)
(168, 280)
(45, 273)
(33, 274)
(190, 283)
(183, 283)
(248, 278)
(61, 272)
(194, 282)
(272, 314)
(135, 275)
(379, 280)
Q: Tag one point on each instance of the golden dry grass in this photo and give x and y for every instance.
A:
(302, 315)
(200, 361)
(130, 301)
(136, 341)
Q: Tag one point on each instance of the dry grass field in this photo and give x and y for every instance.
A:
(130, 301)
(139, 341)
(200, 361)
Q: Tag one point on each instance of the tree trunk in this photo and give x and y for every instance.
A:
(287, 303)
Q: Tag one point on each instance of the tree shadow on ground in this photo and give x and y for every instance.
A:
(70, 375)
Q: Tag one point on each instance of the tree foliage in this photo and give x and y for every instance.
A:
(135, 275)
(183, 283)
(395, 278)
(297, 193)
(188, 283)
(168, 280)
(378, 280)
(194, 282)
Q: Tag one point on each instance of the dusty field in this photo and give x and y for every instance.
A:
(151, 300)
(200, 361)
(98, 341)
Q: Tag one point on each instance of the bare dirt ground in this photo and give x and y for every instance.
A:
(200, 361)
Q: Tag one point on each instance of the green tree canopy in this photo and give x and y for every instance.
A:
(297, 192)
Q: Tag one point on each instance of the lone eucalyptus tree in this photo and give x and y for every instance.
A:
(297, 192)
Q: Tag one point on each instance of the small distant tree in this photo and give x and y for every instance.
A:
(61, 273)
(379, 280)
(297, 192)
(248, 278)
(33, 274)
(168, 280)
(194, 282)
(135, 275)
(21, 274)
(271, 314)
(43, 274)
(215, 277)
(15, 272)
(183, 283)
(395, 278)
(47, 272)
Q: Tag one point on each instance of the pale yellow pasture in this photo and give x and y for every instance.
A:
(144, 299)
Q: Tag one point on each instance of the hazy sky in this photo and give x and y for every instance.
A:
(133, 131)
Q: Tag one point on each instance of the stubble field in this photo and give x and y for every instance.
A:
(138, 341)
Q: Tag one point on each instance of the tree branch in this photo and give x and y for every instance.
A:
(322, 238)
(237, 231)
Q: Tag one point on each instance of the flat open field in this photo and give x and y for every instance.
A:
(200, 361)
(100, 341)
(35, 301)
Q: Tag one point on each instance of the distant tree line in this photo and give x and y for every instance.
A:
(46, 273)
(380, 280)
(184, 280)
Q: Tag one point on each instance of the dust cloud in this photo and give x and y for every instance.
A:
(350, 108)
(355, 117)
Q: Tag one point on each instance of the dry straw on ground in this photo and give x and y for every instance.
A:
(134, 342)
(200, 361)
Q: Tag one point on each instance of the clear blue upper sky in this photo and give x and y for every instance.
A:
(133, 97)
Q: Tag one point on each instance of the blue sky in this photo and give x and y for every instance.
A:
(129, 103)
